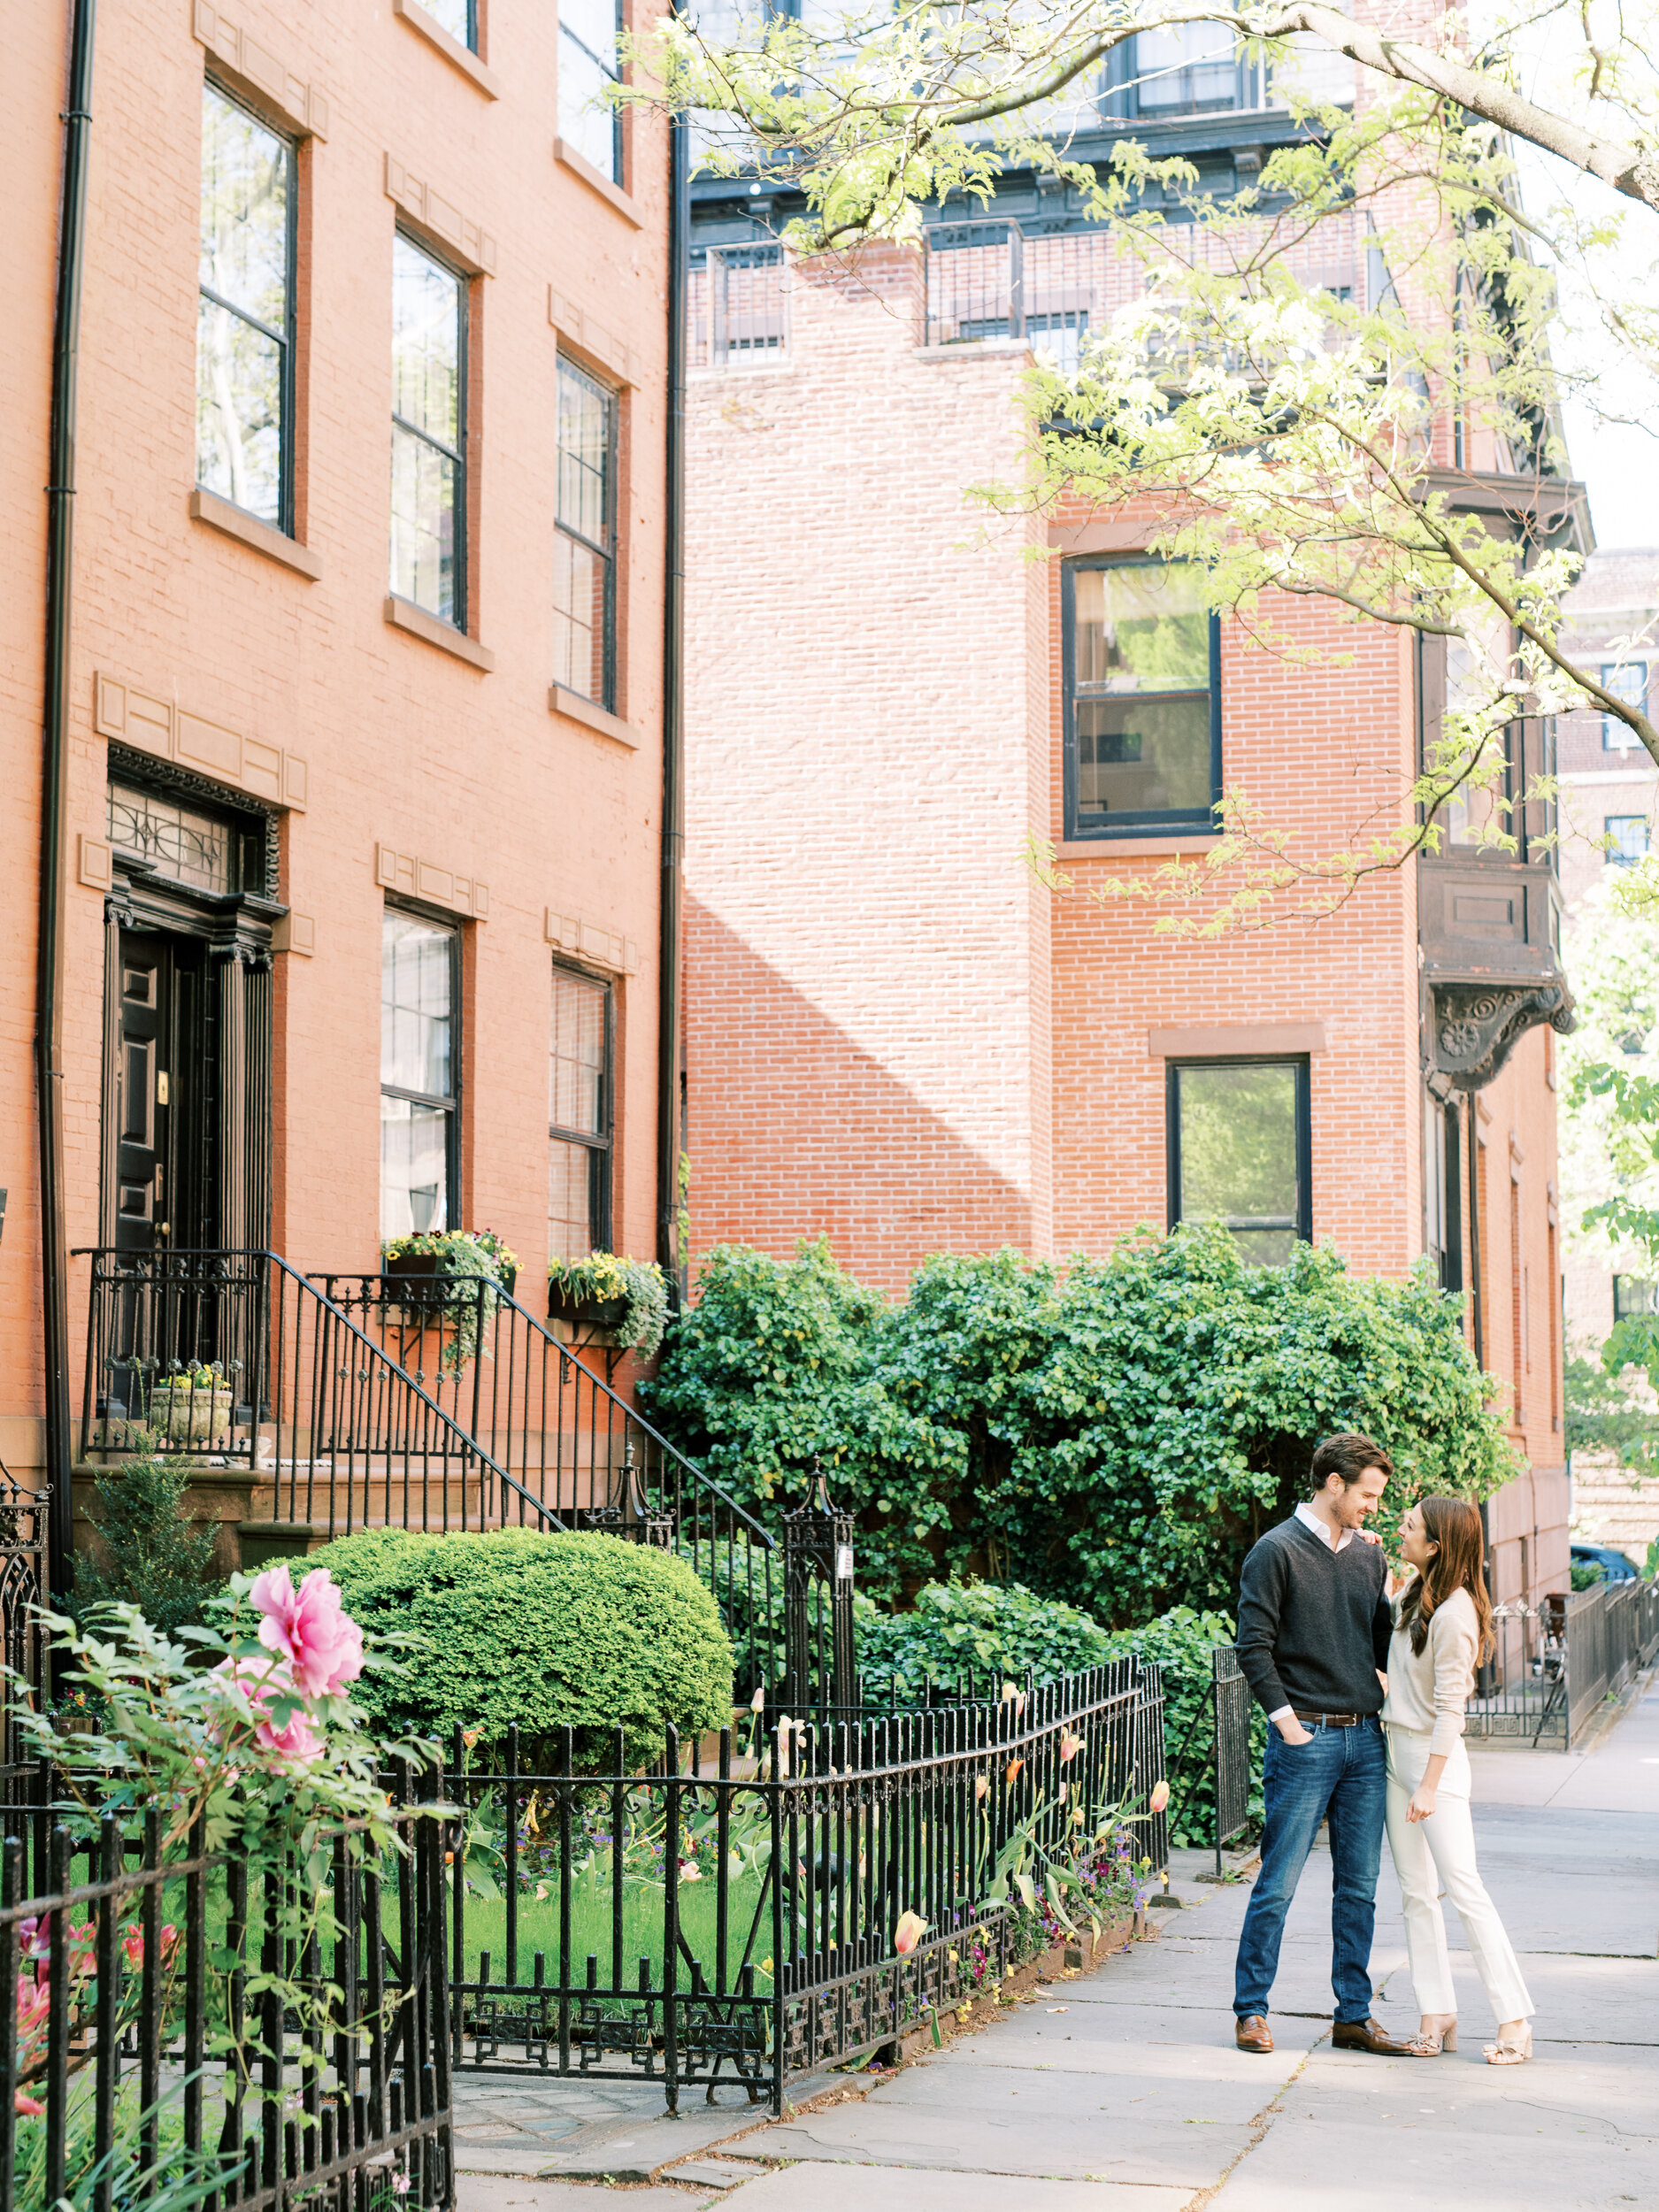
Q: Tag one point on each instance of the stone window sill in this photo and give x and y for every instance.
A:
(459, 57)
(417, 623)
(579, 166)
(575, 708)
(1172, 845)
(248, 530)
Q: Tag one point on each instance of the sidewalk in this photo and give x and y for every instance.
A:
(1122, 2092)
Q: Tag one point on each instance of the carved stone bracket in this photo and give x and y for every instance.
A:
(1477, 1025)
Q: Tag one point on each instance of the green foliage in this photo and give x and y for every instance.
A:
(155, 1554)
(1604, 1413)
(989, 1631)
(465, 1255)
(537, 1631)
(1584, 1574)
(1116, 1438)
(1180, 1644)
(602, 1277)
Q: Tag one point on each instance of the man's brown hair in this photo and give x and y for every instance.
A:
(1346, 1455)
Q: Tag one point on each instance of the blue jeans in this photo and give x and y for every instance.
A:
(1339, 1775)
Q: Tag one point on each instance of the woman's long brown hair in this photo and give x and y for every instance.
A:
(1455, 1526)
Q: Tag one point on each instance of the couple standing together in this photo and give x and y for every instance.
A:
(1336, 1662)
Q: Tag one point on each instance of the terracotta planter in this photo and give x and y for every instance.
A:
(584, 1313)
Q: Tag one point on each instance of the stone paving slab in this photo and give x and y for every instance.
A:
(992, 2090)
(524, 2126)
(832, 2188)
(496, 2193)
(1134, 2044)
(1309, 2165)
(1056, 2141)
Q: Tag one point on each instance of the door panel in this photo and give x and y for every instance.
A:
(140, 1178)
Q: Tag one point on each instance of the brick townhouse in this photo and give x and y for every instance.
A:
(362, 712)
(896, 1035)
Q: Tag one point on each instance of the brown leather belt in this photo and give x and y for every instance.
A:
(1330, 1720)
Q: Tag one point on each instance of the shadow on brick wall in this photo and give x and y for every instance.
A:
(797, 1131)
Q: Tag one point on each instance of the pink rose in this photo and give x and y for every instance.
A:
(306, 1626)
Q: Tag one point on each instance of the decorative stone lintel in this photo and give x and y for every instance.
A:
(1477, 1025)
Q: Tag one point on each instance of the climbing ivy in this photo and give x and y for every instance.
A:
(1116, 1434)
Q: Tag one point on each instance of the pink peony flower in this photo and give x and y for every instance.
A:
(1159, 1798)
(909, 1933)
(306, 1626)
(297, 1740)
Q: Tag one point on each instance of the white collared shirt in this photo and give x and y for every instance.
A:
(1309, 1518)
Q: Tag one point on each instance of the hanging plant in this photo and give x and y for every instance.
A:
(627, 1297)
(424, 1267)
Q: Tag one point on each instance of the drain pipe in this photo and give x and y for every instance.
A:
(48, 1004)
(668, 955)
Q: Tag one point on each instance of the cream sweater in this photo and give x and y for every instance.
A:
(1428, 1691)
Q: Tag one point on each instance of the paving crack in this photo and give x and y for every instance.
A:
(1263, 2121)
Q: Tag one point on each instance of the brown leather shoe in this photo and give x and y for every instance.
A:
(1365, 2035)
(1254, 2034)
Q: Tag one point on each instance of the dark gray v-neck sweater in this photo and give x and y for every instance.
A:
(1314, 1624)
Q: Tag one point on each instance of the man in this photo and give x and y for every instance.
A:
(1313, 1635)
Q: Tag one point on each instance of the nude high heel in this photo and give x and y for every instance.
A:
(1431, 2046)
(1502, 2054)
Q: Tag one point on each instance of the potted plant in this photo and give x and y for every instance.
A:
(627, 1298)
(190, 1405)
(439, 1269)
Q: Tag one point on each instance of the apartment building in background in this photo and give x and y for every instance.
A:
(362, 821)
(896, 1035)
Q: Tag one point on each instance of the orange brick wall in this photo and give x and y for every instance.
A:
(406, 744)
(896, 1035)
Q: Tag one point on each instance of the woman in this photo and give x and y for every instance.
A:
(1442, 1631)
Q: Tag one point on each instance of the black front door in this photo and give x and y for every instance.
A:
(165, 1156)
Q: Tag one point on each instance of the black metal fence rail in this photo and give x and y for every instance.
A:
(574, 1453)
(740, 1916)
(234, 1359)
(146, 2060)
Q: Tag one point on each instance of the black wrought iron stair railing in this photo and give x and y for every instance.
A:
(574, 1452)
(237, 1362)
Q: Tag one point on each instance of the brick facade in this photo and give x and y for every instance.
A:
(445, 757)
(896, 1035)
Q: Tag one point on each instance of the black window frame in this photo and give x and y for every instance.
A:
(614, 72)
(1300, 1064)
(1120, 90)
(285, 337)
(602, 1149)
(462, 487)
(1164, 822)
(451, 1105)
(1615, 856)
(565, 362)
(1646, 1304)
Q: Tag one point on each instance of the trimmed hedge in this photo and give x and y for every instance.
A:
(537, 1631)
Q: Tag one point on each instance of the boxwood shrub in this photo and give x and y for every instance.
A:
(537, 1631)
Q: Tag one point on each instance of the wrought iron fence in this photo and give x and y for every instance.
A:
(738, 307)
(1554, 1664)
(1216, 1758)
(22, 1645)
(147, 2058)
(235, 1360)
(572, 1453)
(736, 1916)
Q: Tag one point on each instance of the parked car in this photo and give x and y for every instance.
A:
(1614, 1565)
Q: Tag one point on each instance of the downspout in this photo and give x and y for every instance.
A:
(48, 1000)
(668, 953)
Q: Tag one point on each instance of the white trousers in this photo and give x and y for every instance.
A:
(1439, 1854)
